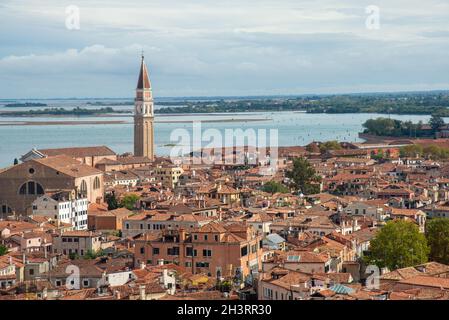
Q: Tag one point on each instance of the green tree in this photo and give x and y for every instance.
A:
(382, 126)
(330, 145)
(73, 256)
(273, 187)
(3, 250)
(129, 201)
(303, 177)
(437, 233)
(436, 122)
(112, 202)
(411, 150)
(398, 244)
(379, 155)
(90, 254)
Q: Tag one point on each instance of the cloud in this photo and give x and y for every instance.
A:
(240, 47)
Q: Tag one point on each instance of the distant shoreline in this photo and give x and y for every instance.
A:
(65, 123)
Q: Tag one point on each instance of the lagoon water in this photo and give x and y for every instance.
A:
(294, 128)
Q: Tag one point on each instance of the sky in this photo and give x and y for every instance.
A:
(221, 48)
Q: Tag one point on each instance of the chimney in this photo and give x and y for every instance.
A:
(182, 235)
(23, 258)
(142, 265)
(142, 292)
(160, 262)
(117, 295)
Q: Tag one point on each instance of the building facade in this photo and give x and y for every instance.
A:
(22, 184)
(215, 249)
(63, 208)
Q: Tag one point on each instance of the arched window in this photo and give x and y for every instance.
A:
(5, 211)
(97, 183)
(23, 189)
(83, 188)
(31, 188)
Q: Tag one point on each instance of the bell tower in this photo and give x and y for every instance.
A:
(144, 115)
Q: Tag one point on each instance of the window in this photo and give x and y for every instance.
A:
(195, 237)
(31, 188)
(243, 251)
(142, 250)
(202, 264)
(207, 253)
(23, 189)
(268, 293)
(216, 238)
(31, 272)
(205, 237)
(83, 188)
(155, 250)
(189, 251)
(173, 251)
(97, 183)
(85, 283)
(6, 209)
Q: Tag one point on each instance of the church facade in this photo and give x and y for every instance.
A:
(22, 184)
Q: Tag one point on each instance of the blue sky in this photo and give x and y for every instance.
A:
(209, 48)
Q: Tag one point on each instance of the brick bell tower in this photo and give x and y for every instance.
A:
(144, 115)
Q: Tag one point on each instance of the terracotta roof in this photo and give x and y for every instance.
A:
(133, 160)
(406, 212)
(427, 281)
(292, 279)
(227, 190)
(80, 233)
(212, 227)
(68, 166)
(78, 152)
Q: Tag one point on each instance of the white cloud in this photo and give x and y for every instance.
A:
(219, 48)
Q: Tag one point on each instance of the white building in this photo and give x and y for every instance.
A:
(63, 208)
(122, 178)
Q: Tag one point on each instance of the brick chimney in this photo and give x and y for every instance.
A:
(182, 235)
(142, 293)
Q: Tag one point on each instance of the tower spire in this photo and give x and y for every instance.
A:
(144, 79)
